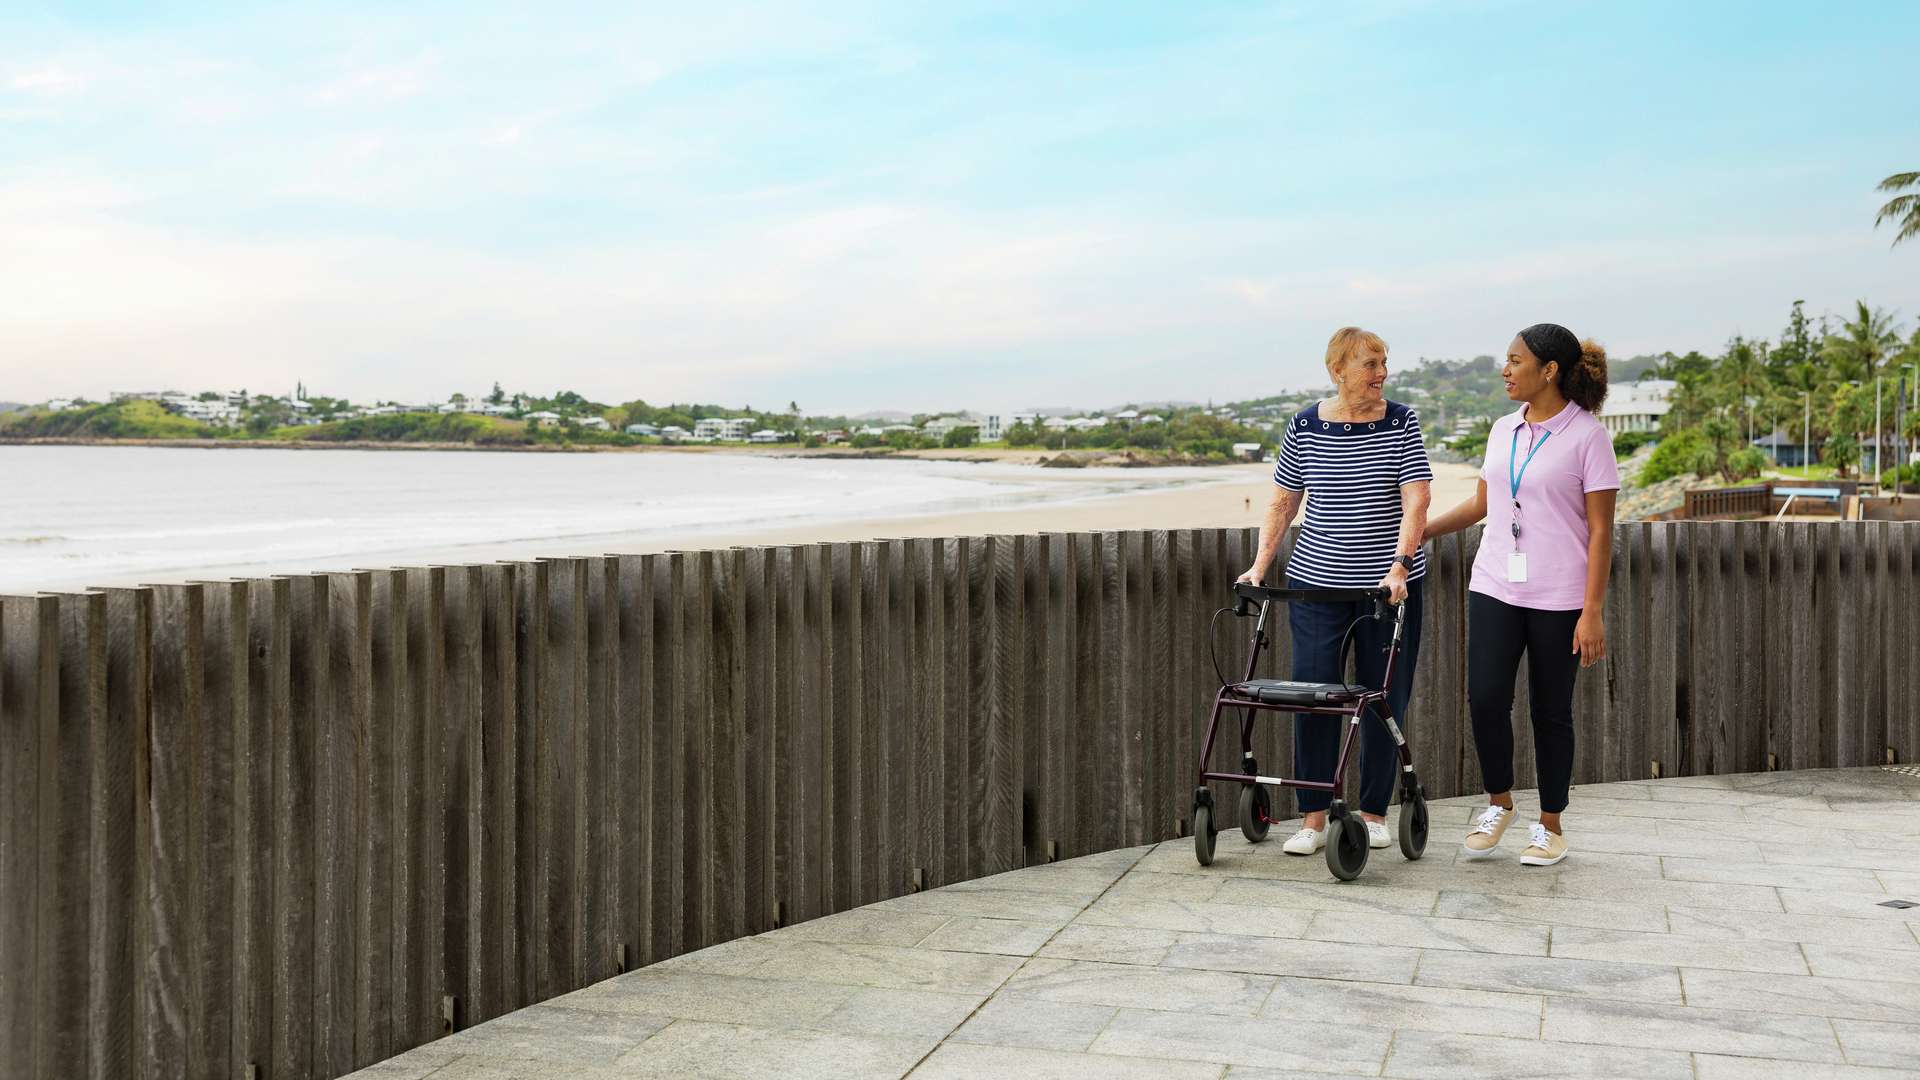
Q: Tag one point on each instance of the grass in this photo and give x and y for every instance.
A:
(1803, 472)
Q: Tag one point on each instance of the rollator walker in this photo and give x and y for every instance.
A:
(1346, 833)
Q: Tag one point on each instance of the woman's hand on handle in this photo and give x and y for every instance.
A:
(1590, 638)
(1395, 583)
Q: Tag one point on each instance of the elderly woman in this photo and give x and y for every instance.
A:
(1361, 458)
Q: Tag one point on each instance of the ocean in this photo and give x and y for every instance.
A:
(79, 516)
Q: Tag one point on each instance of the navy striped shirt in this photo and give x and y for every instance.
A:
(1352, 473)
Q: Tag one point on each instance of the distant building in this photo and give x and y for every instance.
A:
(1637, 406)
(545, 416)
(1784, 449)
(1127, 416)
(675, 433)
(139, 395)
(59, 404)
(1151, 418)
(644, 430)
(1247, 451)
(216, 412)
(593, 423)
(764, 435)
(940, 427)
(725, 429)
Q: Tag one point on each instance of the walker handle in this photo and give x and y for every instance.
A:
(1250, 594)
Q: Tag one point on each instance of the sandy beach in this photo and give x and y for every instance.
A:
(1236, 498)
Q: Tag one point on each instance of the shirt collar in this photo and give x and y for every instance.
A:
(1554, 426)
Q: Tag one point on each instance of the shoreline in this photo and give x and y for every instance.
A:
(1228, 497)
(988, 454)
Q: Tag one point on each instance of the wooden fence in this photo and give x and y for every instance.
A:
(1742, 502)
(298, 825)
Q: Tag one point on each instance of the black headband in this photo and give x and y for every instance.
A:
(1552, 343)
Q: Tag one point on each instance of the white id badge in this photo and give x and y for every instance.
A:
(1517, 567)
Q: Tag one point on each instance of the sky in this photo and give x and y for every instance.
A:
(921, 206)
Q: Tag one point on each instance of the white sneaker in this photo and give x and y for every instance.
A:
(1305, 842)
(1484, 840)
(1377, 835)
(1544, 848)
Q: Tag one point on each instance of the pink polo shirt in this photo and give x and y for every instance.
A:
(1575, 458)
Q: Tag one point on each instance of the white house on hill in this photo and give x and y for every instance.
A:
(1637, 406)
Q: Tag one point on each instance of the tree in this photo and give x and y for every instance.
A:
(1744, 372)
(1903, 210)
(1722, 440)
(498, 394)
(1852, 409)
(960, 438)
(1796, 344)
(1842, 451)
(1862, 346)
(1025, 434)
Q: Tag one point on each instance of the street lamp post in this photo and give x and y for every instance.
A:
(1900, 427)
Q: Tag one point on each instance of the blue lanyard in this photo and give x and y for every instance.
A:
(1513, 480)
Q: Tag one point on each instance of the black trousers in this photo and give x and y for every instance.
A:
(1317, 633)
(1497, 635)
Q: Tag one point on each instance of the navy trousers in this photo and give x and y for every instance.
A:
(1317, 630)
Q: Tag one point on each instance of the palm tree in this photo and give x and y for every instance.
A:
(1862, 345)
(1903, 209)
(1744, 371)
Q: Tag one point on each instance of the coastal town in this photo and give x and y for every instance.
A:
(1821, 422)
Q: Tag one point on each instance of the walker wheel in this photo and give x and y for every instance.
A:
(1203, 834)
(1256, 806)
(1413, 826)
(1346, 844)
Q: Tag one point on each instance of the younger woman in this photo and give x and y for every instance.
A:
(1540, 580)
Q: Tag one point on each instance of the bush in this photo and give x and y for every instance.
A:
(1907, 475)
(1625, 443)
(1746, 464)
(961, 437)
(1685, 451)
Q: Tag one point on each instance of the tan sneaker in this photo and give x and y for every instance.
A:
(1544, 847)
(1487, 831)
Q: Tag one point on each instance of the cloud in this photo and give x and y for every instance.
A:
(47, 81)
(379, 84)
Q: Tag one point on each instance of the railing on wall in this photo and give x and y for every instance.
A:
(305, 823)
(1754, 501)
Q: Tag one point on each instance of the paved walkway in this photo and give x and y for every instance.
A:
(1704, 928)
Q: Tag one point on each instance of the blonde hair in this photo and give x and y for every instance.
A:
(1346, 343)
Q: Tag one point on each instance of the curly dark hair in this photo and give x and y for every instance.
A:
(1583, 364)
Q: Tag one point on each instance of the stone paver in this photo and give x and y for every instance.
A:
(1704, 927)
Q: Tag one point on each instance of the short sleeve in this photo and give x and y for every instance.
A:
(1290, 472)
(1598, 469)
(1414, 466)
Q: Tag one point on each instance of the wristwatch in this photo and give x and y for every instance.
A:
(1406, 561)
